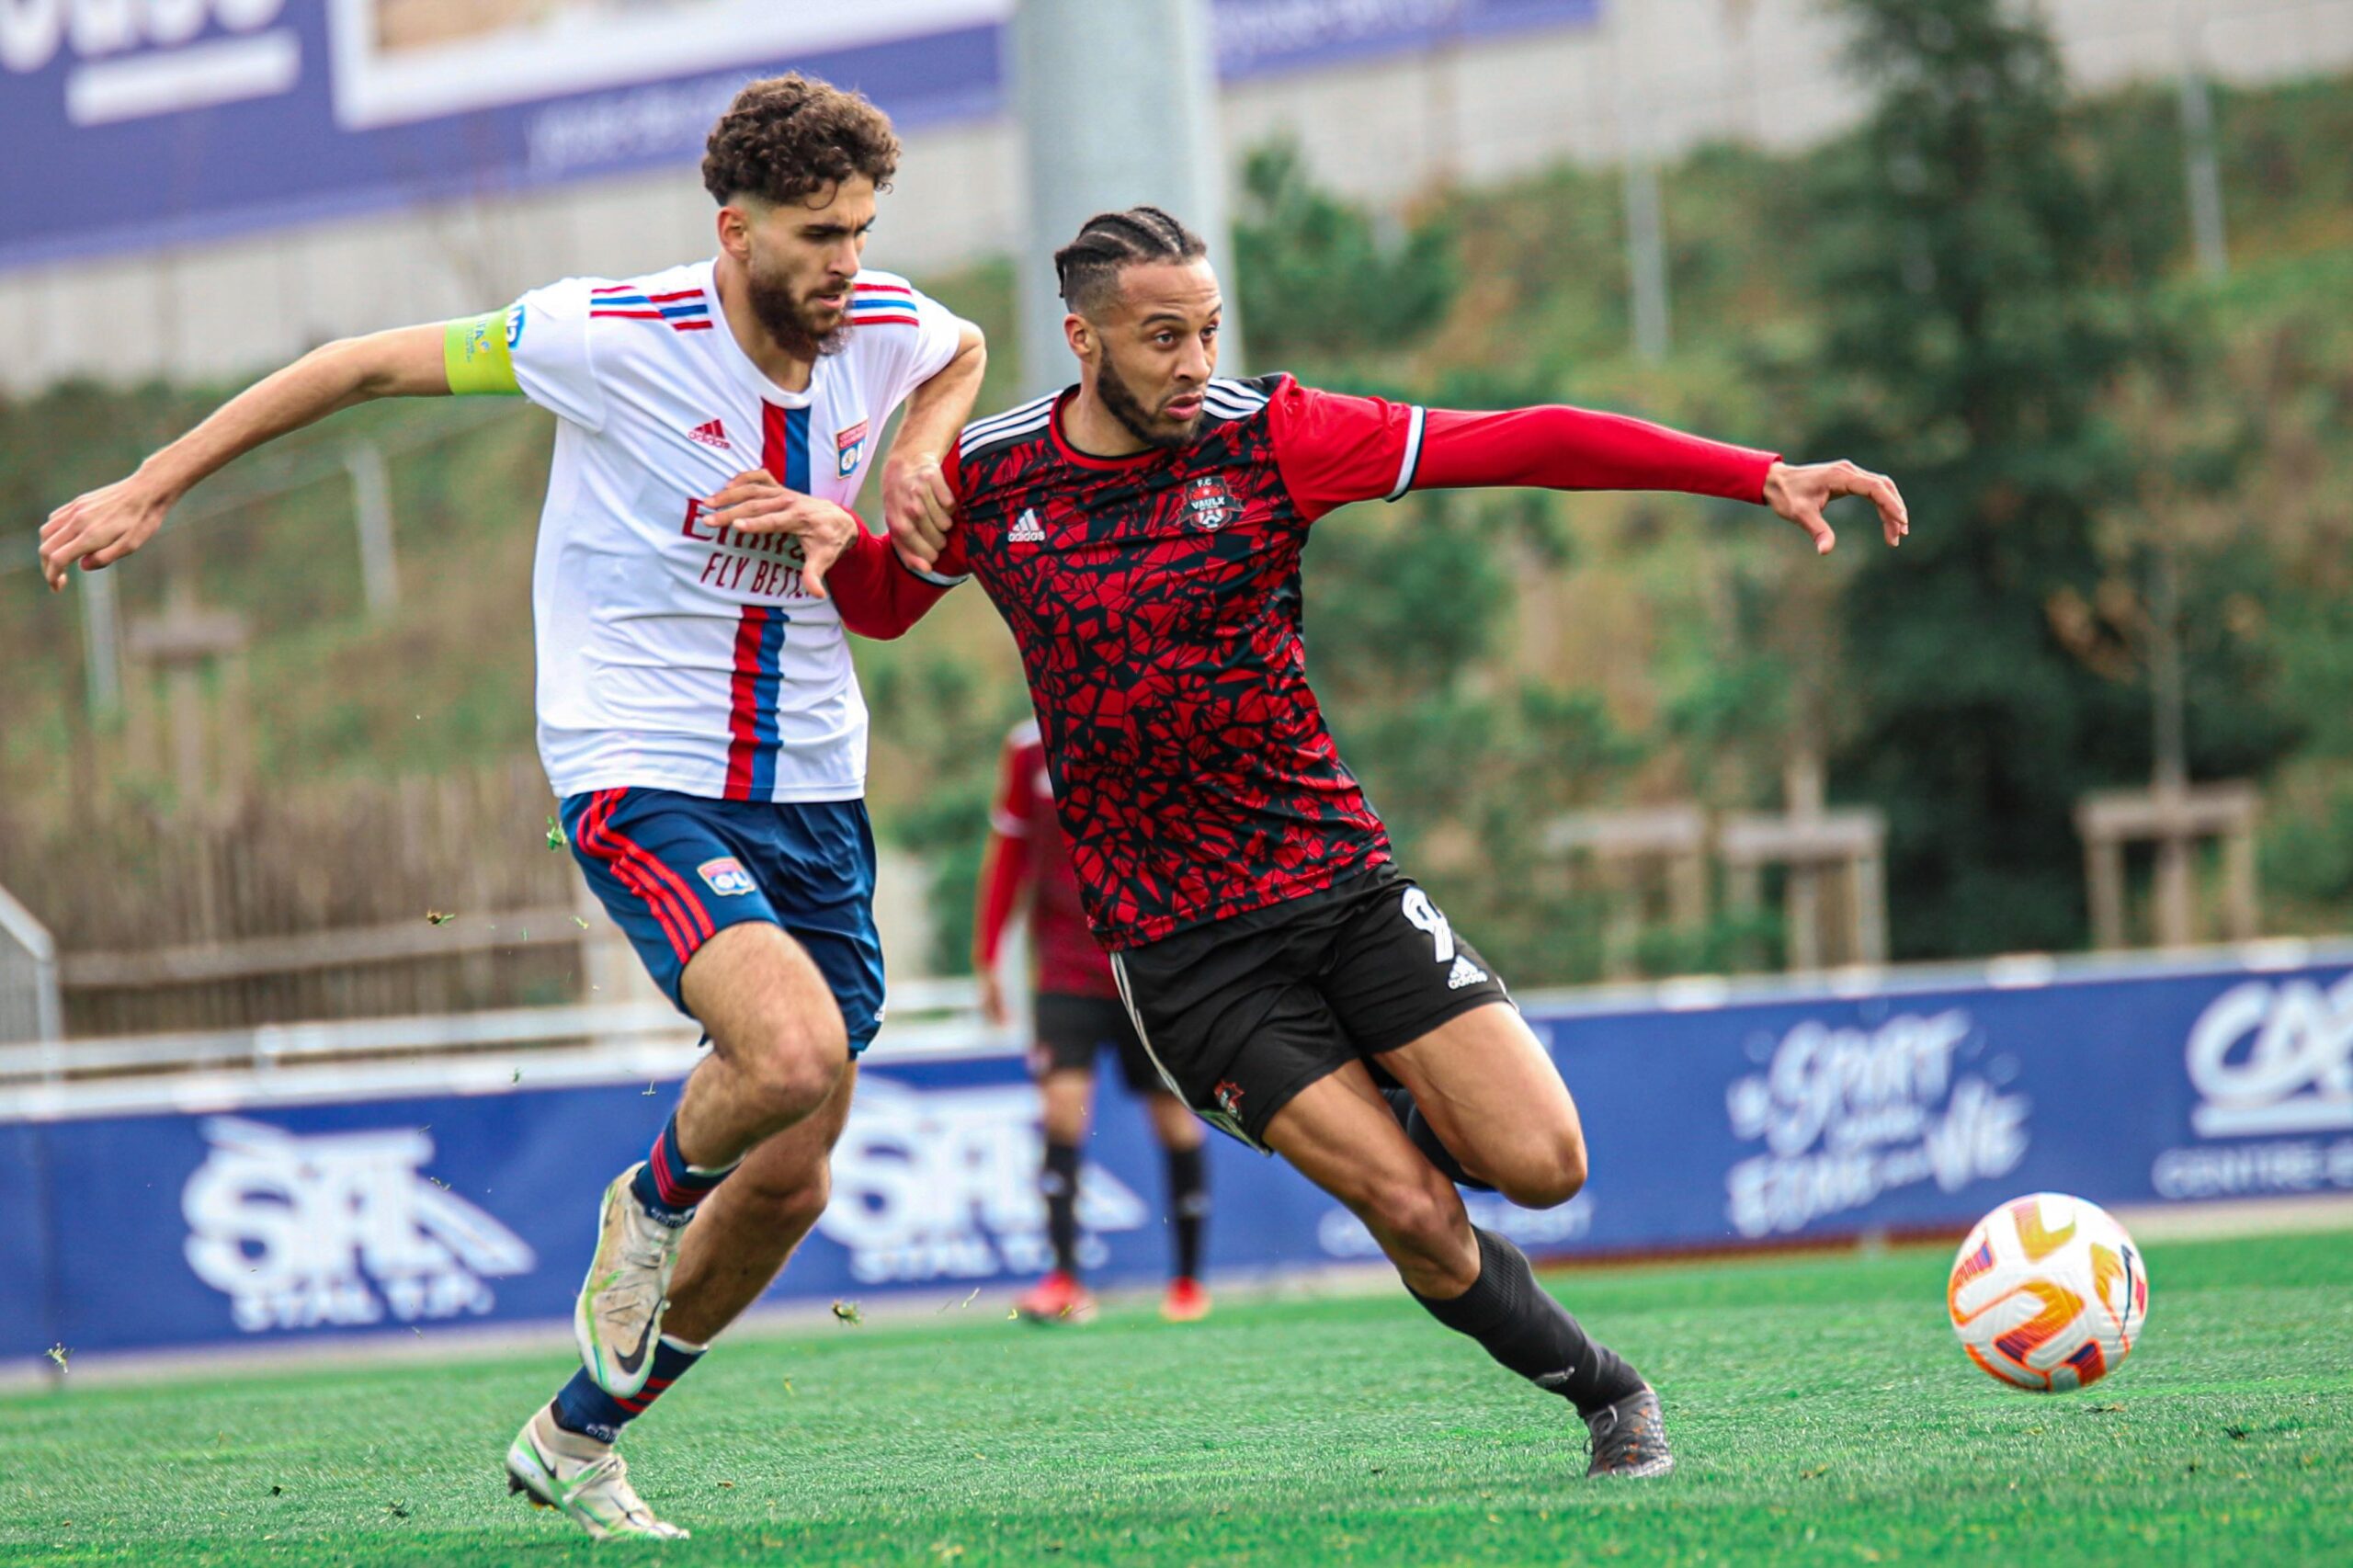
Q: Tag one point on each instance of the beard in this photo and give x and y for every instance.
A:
(1130, 411)
(788, 318)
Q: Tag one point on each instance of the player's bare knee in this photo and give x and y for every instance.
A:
(1549, 1175)
(798, 1066)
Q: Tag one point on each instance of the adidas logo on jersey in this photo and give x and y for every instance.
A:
(713, 434)
(1464, 972)
(1026, 529)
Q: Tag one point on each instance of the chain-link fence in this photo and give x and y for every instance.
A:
(30, 1009)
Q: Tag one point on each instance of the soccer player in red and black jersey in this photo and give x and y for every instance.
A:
(1078, 1017)
(1140, 533)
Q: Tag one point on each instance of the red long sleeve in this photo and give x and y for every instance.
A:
(1004, 865)
(1335, 448)
(1575, 448)
(874, 591)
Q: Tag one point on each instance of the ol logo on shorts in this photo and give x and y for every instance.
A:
(726, 875)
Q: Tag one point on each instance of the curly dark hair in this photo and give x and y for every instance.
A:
(787, 136)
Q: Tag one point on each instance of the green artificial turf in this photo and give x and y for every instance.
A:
(1821, 1411)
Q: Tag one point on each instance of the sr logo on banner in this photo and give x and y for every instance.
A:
(342, 1228)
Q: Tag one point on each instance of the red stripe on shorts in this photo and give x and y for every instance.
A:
(620, 858)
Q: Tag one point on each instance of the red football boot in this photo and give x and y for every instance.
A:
(1186, 1301)
(1058, 1297)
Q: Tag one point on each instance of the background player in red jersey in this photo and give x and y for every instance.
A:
(1078, 1015)
(1141, 532)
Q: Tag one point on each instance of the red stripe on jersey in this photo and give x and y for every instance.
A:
(679, 294)
(883, 318)
(628, 314)
(743, 701)
(883, 288)
(691, 325)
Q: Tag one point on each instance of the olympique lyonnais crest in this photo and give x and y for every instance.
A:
(726, 875)
(1209, 504)
(848, 447)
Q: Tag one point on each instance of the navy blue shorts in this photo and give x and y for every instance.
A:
(675, 870)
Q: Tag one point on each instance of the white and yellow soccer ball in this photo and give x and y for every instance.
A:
(2047, 1293)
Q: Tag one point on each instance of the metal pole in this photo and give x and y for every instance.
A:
(2199, 166)
(1645, 236)
(371, 504)
(1117, 105)
(101, 642)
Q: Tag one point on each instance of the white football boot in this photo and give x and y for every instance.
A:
(617, 1319)
(583, 1478)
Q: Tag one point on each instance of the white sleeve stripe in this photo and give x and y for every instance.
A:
(973, 440)
(1011, 826)
(1405, 469)
(1010, 416)
(934, 578)
(997, 422)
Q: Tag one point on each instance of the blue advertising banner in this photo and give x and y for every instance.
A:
(1742, 1122)
(163, 122)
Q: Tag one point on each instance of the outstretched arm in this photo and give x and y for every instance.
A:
(1575, 448)
(102, 527)
(1335, 448)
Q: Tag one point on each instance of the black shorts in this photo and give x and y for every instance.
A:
(1073, 1030)
(1244, 1013)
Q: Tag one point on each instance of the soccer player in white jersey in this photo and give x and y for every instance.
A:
(698, 714)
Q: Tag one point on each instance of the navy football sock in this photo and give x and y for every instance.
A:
(666, 1186)
(1517, 1322)
(580, 1406)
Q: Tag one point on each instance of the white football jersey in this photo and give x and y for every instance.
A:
(672, 653)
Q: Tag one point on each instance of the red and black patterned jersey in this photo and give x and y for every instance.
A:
(1155, 601)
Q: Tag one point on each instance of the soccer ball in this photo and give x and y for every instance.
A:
(2047, 1293)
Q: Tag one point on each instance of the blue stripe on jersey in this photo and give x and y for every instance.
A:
(796, 449)
(767, 720)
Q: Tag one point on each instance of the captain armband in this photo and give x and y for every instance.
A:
(478, 352)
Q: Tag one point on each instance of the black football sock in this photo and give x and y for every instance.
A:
(1517, 1322)
(1188, 1207)
(1059, 1182)
(1424, 1137)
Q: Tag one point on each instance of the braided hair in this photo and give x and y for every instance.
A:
(1087, 269)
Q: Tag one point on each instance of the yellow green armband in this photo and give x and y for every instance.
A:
(476, 352)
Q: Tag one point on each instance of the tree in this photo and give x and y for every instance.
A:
(1320, 279)
(1971, 337)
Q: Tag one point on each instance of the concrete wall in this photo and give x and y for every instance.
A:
(1676, 71)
